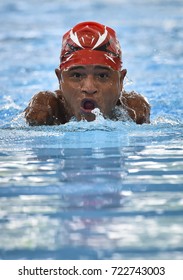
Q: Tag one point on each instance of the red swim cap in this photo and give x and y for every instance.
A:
(90, 43)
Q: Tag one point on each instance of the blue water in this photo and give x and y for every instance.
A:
(100, 190)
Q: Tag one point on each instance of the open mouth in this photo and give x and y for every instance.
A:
(87, 105)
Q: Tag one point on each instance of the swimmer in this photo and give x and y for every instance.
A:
(90, 76)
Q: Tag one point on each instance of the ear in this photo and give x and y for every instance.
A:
(58, 74)
(122, 76)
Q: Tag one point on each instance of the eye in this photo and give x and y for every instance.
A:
(103, 75)
(76, 75)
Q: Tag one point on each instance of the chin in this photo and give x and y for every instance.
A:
(88, 117)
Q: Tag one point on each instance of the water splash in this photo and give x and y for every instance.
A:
(18, 121)
(166, 119)
(8, 109)
(98, 115)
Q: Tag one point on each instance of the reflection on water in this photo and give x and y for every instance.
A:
(108, 203)
(48, 228)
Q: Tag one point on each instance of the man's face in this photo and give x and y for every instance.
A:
(86, 87)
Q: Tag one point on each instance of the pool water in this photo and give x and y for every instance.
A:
(99, 190)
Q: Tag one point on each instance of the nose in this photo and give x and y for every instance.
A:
(88, 85)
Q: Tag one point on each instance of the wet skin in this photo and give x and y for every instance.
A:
(82, 89)
(86, 87)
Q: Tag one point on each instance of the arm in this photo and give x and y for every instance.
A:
(137, 107)
(45, 108)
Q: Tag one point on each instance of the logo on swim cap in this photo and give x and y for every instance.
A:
(90, 43)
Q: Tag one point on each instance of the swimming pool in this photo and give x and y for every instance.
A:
(100, 190)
